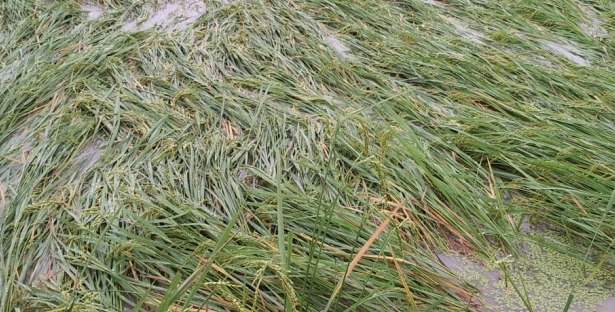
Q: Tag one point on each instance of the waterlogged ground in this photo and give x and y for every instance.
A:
(547, 280)
(307, 155)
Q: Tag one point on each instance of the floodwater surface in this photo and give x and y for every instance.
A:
(548, 278)
(172, 16)
(566, 50)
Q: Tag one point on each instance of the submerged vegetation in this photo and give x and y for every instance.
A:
(297, 155)
(543, 280)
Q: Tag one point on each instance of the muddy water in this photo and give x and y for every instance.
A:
(566, 50)
(593, 25)
(171, 16)
(8, 71)
(92, 10)
(88, 156)
(465, 31)
(434, 3)
(547, 292)
(10, 174)
(337, 45)
(18, 146)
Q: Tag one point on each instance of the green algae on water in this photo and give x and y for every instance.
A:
(545, 276)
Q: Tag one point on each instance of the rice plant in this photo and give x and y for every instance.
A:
(296, 155)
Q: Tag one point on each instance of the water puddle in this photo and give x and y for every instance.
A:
(545, 280)
(88, 156)
(171, 16)
(543, 61)
(92, 10)
(337, 45)
(17, 149)
(8, 71)
(15, 153)
(465, 31)
(568, 51)
(334, 99)
(434, 3)
(530, 57)
(607, 306)
(593, 25)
